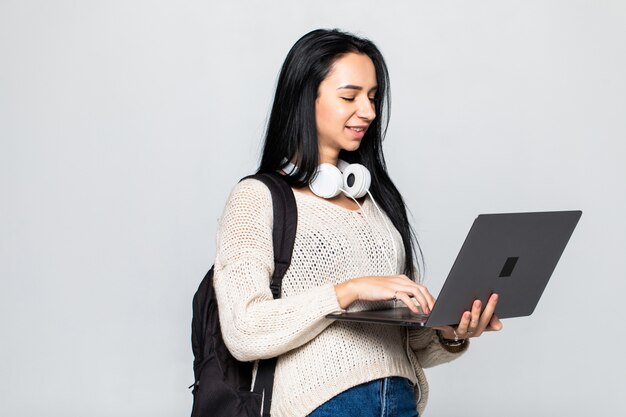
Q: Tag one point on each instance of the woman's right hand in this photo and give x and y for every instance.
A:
(384, 288)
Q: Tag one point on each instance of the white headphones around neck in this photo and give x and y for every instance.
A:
(352, 179)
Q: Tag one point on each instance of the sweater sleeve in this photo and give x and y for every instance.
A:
(254, 325)
(429, 352)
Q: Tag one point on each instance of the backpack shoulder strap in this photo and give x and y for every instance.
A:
(285, 224)
(283, 237)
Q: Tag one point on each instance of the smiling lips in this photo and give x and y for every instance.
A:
(358, 131)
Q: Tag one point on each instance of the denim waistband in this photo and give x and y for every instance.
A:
(385, 397)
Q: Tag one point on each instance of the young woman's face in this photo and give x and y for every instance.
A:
(344, 107)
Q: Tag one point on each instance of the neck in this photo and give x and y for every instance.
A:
(329, 156)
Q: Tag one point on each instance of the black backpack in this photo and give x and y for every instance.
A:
(222, 386)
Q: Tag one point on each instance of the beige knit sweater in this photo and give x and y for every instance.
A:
(318, 358)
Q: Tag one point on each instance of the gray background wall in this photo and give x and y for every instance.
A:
(124, 124)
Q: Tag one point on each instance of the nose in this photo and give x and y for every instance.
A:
(366, 109)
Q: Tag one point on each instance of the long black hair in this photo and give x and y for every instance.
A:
(292, 134)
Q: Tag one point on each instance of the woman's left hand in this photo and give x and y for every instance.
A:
(473, 323)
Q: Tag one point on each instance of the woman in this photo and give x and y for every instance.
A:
(349, 253)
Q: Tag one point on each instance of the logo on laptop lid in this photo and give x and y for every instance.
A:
(508, 267)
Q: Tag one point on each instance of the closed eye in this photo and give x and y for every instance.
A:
(348, 98)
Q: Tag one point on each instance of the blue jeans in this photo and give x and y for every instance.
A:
(387, 397)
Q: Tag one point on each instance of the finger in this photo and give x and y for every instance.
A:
(485, 318)
(423, 300)
(414, 291)
(410, 286)
(461, 329)
(429, 298)
(495, 324)
(404, 297)
(475, 318)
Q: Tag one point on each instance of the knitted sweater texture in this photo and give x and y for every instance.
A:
(318, 358)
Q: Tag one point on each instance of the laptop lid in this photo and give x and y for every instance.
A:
(512, 254)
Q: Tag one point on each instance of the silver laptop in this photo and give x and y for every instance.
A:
(511, 254)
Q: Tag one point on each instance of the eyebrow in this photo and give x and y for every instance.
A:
(356, 87)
